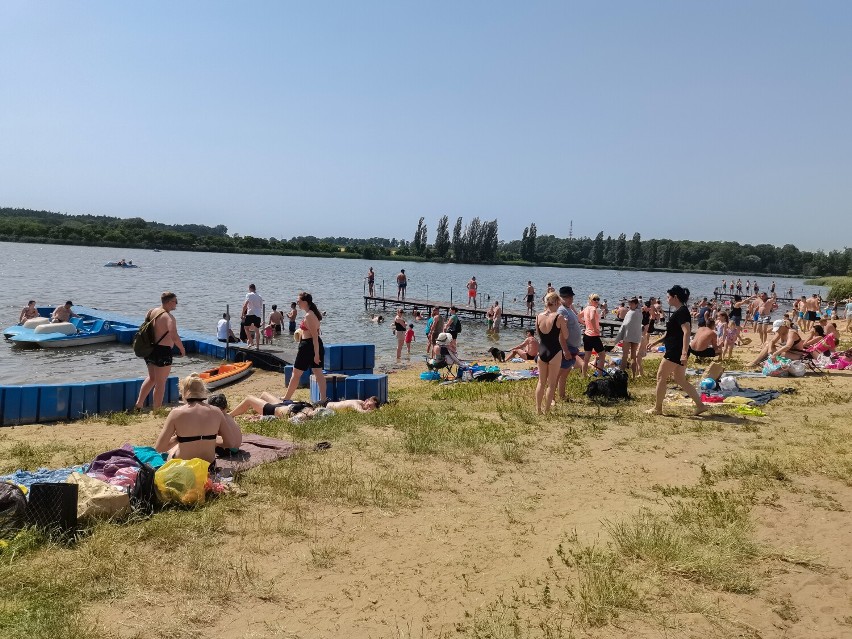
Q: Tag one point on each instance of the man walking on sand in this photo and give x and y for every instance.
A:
(811, 310)
(159, 362)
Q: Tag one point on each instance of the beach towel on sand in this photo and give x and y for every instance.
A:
(254, 451)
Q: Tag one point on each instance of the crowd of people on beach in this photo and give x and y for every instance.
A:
(571, 335)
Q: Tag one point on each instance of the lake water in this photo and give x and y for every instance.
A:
(206, 282)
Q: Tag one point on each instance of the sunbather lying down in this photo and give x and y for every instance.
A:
(268, 404)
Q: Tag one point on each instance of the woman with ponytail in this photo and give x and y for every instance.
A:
(311, 350)
(676, 340)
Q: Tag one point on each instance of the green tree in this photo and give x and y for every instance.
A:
(442, 237)
(598, 249)
(458, 241)
(635, 253)
(621, 250)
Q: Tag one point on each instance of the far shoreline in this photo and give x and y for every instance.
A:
(415, 259)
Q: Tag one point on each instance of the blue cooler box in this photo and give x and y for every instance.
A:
(335, 388)
(303, 383)
(340, 357)
(364, 386)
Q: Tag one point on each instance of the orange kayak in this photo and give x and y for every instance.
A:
(225, 374)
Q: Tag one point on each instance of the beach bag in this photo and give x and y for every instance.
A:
(182, 481)
(143, 341)
(776, 367)
(143, 497)
(97, 499)
(13, 509)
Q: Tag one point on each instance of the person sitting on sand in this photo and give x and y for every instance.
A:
(528, 349)
(785, 341)
(444, 350)
(705, 341)
(234, 434)
(28, 312)
(63, 313)
(817, 335)
(193, 429)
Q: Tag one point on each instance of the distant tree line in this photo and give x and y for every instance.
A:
(683, 255)
(476, 242)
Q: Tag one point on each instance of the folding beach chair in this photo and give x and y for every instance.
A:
(443, 367)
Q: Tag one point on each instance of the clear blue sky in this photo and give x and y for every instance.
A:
(699, 120)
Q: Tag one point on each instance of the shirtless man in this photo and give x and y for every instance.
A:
(401, 284)
(705, 341)
(528, 349)
(28, 312)
(276, 318)
(498, 313)
(63, 313)
(530, 297)
(371, 282)
(471, 291)
(765, 307)
(159, 362)
(621, 311)
(811, 310)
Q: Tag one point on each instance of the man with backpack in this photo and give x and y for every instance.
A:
(161, 332)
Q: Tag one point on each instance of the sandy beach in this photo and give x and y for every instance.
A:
(455, 511)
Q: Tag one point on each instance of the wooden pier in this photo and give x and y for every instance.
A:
(609, 328)
(730, 297)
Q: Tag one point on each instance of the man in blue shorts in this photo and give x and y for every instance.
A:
(575, 333)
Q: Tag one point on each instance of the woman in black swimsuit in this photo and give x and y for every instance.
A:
(552, 338)
(676, 340)
(191, 430)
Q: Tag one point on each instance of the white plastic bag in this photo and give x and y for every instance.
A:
(796, 369)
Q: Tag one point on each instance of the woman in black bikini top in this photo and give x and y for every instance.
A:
(191, 430)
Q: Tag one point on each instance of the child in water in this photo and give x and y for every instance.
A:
(268, 333)
(409, 337)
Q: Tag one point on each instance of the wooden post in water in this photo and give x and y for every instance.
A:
(260, 329)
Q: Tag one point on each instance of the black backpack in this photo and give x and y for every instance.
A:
(143, 341)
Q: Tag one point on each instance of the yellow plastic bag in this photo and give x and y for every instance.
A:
(181, 481)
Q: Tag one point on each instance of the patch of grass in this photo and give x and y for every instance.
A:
(706, 539)
(604, 584)
(28, 456)
(325, 556)
(335, 477)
